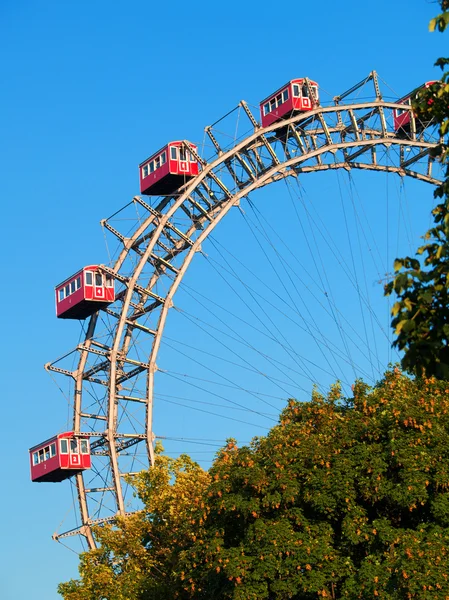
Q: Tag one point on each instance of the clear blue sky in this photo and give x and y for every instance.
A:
(91, 88)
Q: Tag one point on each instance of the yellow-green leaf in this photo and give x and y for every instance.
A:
(398, 264)
(395, 309)
(399, 326)
(408, 304)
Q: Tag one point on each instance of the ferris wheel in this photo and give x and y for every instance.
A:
(113, 371)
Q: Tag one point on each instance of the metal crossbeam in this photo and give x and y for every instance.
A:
(125, 280)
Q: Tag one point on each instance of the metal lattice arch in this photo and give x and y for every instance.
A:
(157, 253)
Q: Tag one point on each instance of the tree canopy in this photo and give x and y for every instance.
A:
(344, 498)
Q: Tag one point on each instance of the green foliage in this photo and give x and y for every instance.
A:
(343, 499)
(441, 21)
(340, 500)
(421, 313)
(138, 558)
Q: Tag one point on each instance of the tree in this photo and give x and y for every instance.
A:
(421, 313)
(138, 557)
(344, 498)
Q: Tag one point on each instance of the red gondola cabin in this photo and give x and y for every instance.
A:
(84, 293)
(167, 170)
(402, 117)
(59, 457)
(291, 97)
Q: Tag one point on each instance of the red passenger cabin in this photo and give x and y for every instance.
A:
(291, 97)
(59, 457)
(84, 293)
(402, 116)
(167, 170)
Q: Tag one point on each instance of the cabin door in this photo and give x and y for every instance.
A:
(183, 163)
(98, 286)
(305, 97)
(74, 454)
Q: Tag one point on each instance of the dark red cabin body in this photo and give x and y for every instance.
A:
(292, 97)
(59, 457)
(84, 293)
(167, 170)
(402, 117)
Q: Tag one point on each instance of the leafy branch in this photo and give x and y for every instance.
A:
(420, 316)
